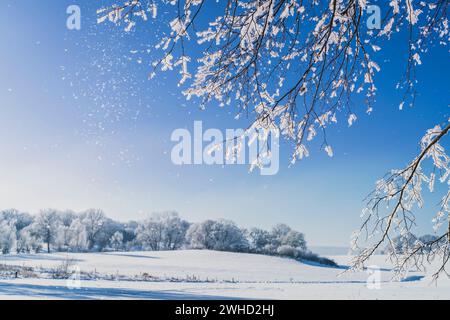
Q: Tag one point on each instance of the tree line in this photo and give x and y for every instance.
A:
(92, 231)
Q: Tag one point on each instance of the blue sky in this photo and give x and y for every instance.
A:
(82, 126)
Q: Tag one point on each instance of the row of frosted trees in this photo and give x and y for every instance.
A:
(52, 230)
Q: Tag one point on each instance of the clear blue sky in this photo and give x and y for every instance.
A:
(82, 126)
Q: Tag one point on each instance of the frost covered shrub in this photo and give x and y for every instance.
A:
(309, 256)
(10, 271)
(63, 270)
(288, 251)
(296, 253)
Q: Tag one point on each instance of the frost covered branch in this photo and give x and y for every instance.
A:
(286, 64)
(404, 189)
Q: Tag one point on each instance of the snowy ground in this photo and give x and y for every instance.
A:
(208, 275)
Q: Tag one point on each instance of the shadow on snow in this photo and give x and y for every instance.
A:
(62, 292)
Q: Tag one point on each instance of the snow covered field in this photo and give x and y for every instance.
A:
(195, 274)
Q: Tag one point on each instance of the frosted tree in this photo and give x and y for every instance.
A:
(162, 231)
(28, 240)
(94, 221)
(294, 239)
(174, 230)
(297, 67)
(150, 232)
(78, 235)
(201, 235)
(229, 237)
(221, 235)
(7, 237)
(62, 238)
(18, 221)
(259, 240)
(116, 240)
(46, 227)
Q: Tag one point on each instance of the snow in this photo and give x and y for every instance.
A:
(194, 274)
